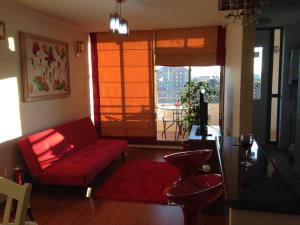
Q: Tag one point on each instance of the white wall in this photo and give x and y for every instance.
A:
(238, 79)
(233, 72)
(246, 100)
(30, 117)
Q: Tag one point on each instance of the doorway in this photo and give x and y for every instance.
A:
(266, 84)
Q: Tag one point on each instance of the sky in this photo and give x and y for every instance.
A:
(198, 71)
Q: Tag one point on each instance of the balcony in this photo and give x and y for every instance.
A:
(213, 114)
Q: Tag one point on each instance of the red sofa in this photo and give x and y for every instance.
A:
(70, 154)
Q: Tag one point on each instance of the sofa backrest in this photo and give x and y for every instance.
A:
(45, 148)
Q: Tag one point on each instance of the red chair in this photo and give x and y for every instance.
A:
(193, 193)
(189, 161)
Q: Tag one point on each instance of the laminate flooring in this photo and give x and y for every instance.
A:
(53, 205)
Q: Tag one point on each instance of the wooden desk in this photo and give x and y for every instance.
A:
(197, 142)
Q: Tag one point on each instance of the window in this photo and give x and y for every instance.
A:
(275, 86)
(170, 83)
(258, 51)
(171, 80)
(210, 75)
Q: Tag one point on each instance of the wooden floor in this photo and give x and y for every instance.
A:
(68, 206)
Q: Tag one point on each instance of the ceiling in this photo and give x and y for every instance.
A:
(93, 15)
(281, 12)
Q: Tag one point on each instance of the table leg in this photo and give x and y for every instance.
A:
(176, 126)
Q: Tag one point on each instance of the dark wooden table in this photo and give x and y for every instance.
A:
(257, 192)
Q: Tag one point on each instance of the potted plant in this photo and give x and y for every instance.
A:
(190, 100)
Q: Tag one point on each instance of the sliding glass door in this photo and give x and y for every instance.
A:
(170, 82)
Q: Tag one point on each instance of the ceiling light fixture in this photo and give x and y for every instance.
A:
(117, 24)
(245, 11)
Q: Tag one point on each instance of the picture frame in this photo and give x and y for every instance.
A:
(44, 66)
(2, 30)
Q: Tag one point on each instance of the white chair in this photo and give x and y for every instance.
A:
(20, 193)
(177, 115)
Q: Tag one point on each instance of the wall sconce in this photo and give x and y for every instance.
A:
(2, 30)
(79, 48)
(11, 44)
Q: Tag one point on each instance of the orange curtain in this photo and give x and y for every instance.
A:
(203, 46)
(125, 70)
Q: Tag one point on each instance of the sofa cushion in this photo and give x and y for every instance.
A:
(81, 167)
(79, 133)
(44, 149)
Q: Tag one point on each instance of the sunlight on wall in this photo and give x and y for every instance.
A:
(10, 122)
(91, 82)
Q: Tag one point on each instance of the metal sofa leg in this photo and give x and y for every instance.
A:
(123, 155)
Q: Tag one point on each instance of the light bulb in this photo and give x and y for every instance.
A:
(123, 28)
(114, 22)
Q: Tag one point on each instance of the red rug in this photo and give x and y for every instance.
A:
(139, 181)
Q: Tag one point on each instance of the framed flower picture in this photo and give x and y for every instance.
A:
(45, 67)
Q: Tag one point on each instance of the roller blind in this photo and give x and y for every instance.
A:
(125, 71)
(202, 46)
